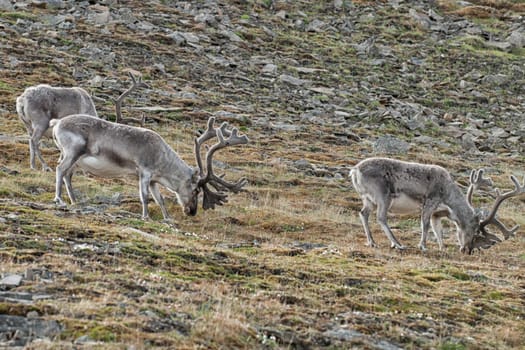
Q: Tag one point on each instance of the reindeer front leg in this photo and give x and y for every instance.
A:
(437, 228)
(429, 207)
(155, 192)
(144, 184)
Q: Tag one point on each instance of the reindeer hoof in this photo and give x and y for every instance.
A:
(59, 203)
(372, 244)
(423, 248)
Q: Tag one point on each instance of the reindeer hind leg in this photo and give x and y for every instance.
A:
(64, 171)
(364, 215)
(382, 214)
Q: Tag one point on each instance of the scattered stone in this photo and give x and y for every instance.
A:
(269, 69)
(290, 80)
(19, 331)
(517, 38)
(343, 334)
(390, 145)
(11, 281)
(6, 5)
(315, 26)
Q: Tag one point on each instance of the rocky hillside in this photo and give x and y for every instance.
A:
(316, 86)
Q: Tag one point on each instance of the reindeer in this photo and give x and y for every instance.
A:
(107, 149)
(37, 105)
(399, 187)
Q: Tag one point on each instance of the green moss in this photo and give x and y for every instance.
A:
(102, 333)
(452, 346)
(17, 15)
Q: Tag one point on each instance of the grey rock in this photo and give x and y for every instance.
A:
(290, 80)
(467, 142)
(517, 38)
(315, 26)
(421, 19)
(18, 330)
(269, 69)
(286, 127)
(178, 38)
(496, 79)
(52, 4)
(231, 35)
(303, 164)
(85, 339)
(498, 45)
(182, 38)
(6, 5)
(343, 334)
(11, 281)
(390, 145)
(499, 133)
(100, 16)
(206, 18)
(281, 14)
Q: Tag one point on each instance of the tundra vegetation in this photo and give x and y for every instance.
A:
(316, 87)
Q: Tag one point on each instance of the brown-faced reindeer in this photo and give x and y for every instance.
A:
(394, 186)
(37, 105)
(109, 149)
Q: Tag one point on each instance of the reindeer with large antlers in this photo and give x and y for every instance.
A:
(107, 149)
(394, 186)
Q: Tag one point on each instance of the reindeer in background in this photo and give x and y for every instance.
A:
(394, 186)
(37, 105)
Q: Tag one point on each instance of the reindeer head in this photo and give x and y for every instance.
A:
(206, 176)
(188, 193)
(475, 234)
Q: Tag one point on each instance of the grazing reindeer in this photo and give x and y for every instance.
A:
(109, 149)
(402, 187)
(41, 103)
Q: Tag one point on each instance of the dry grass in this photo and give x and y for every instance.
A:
(284, 262)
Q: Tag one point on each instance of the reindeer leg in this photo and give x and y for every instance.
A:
(437, 228)
(155, 192)
(144, 184)
(382, 210)
(65, 168)
(67, 181)
(34, 149)
(363, 215)
(426, 213)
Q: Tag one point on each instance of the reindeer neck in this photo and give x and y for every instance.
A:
(173, 167)
(457, 202)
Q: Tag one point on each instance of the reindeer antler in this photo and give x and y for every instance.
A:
(136, 83)
(207, 176)
(477, 181)
(491, 218)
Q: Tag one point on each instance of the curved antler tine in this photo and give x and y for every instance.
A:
(516, 182)
(223, 129)
(225, 138)
(518, 189)
(220, 135)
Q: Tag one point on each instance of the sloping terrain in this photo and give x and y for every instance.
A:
(316, 86)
